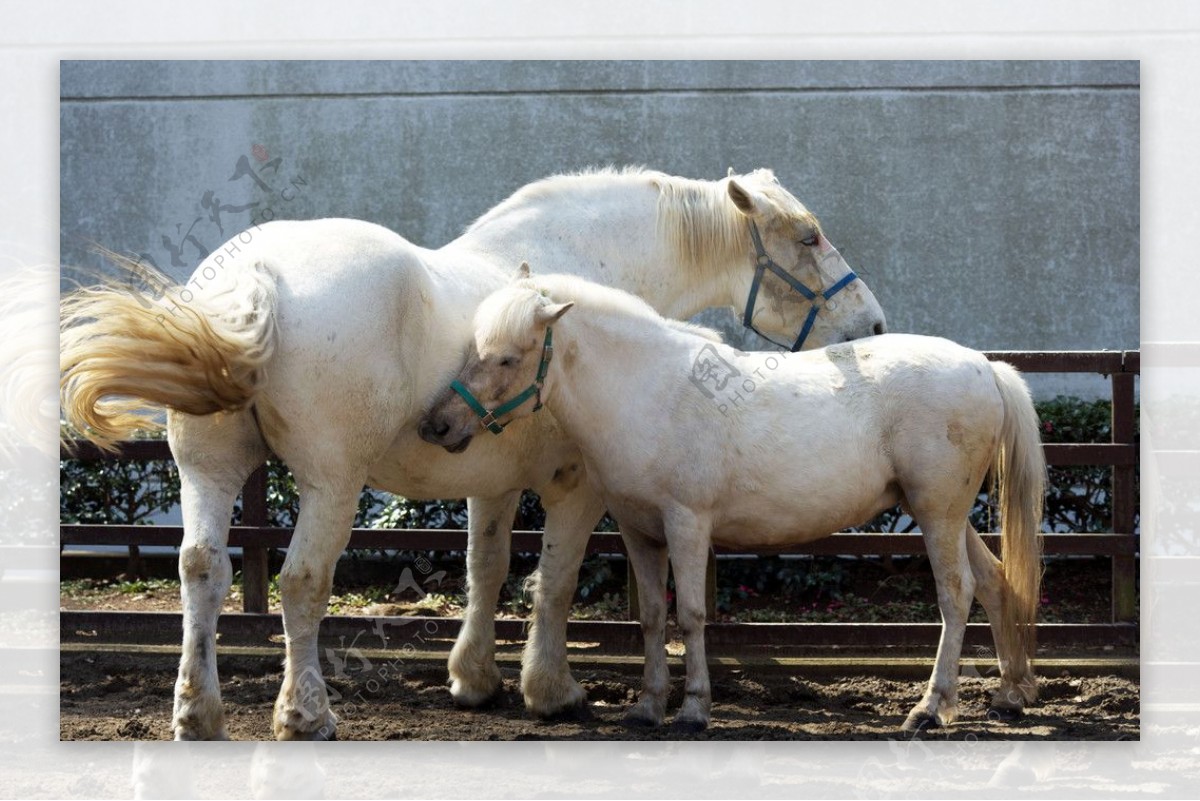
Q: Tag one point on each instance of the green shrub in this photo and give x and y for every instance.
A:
(135, 492)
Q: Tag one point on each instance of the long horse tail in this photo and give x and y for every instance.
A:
(125, 356)
(1019, 469)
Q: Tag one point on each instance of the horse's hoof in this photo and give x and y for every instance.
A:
(688, 725)
(579, 713)
(183, 734)
(295, 726)
(488, 704)
(321, 735)
(476, 699)
(919, 722)
(636, 719)
(563, 705)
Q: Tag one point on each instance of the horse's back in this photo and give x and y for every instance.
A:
(313, 253)
(832, 436)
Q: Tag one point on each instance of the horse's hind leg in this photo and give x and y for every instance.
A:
(215, 455)
(327, 509)
(474, 676)
(1017, 682)
(649, 560)
(688, 538)
(546, 680)
(947, 550)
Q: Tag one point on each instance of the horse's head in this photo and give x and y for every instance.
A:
(505, 370)
(798, 290)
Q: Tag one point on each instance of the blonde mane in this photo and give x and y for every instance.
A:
(699, 221)
(592, 177)
(507, 317)
(695, 219)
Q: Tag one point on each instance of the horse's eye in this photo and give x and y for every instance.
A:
(507, 361)
(812, 241)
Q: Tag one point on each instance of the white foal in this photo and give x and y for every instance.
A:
(813, 442)
(324, 341)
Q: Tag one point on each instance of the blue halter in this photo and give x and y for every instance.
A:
(763, 263)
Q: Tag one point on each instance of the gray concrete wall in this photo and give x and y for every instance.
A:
(995, 203)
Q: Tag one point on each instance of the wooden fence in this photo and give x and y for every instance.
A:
(1121, 453)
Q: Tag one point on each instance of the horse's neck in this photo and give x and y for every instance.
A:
(601, 359)
(611, 238)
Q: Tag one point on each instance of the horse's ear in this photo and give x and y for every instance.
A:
(552, 312)
(748, 201)
(522, 272)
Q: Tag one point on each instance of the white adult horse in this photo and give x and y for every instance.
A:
(691, 443)
(324, 342)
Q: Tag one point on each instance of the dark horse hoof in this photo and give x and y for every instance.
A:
(688, 726)
(495, 700)
(918, 723)
(579, 713)
(633, 720)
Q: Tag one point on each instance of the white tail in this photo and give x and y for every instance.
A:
(1020, 473)
(123, 354)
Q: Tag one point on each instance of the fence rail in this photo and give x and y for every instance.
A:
(255, 537)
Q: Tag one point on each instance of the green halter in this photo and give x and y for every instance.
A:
(489, 420)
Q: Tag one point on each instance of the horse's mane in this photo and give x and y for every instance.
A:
(591, 177)
(513, 316)
(695, 218)
(699, 221)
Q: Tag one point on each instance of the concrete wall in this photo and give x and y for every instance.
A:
(995, 203)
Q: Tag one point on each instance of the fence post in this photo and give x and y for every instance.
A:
(255, 567)
(1124, 567)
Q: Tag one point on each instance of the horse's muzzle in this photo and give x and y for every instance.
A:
(438, 433)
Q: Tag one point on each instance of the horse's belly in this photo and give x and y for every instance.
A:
(766, 524)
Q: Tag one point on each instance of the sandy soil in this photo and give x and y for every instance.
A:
(117, 696)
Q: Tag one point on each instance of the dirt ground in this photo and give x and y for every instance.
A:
(119, 696)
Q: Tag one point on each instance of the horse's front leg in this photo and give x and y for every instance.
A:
(649, 560)
(546, 680)
(327, 510)
(214, 461)
(688, 537)
(474, 676)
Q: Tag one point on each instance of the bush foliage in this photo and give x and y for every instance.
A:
(139, 492)
(142, 492)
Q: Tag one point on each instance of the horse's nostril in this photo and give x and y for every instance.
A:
(429, 429)
(879, 328)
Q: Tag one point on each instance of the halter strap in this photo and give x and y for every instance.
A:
(764, 262)
(490, 419)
